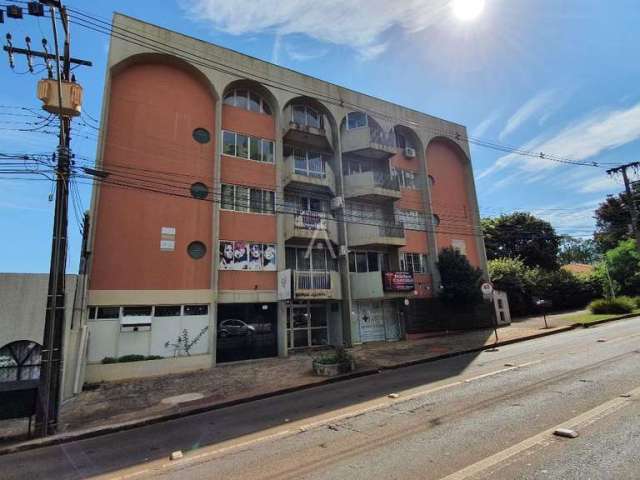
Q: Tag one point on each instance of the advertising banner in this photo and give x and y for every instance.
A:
(398, 282)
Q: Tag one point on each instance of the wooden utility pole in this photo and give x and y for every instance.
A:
(631, 204)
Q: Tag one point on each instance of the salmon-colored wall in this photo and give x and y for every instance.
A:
(416, 242)
(247, 280)
(244, 121)
(255, 227)
(450, 198)
(400, 161)
(150, 127)
(424, 285)
(249, 173)
(410, 200)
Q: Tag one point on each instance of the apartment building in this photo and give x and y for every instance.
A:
(272, 211)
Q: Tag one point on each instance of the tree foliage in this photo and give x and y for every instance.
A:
(623, 264)
(460, 280)
(612, 222)
(521, 235)
(577, 250)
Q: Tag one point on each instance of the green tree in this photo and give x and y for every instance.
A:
(460, 280)
(521, 235)
(512, 276)
(577, 250)
(623, 263)
(612, 222)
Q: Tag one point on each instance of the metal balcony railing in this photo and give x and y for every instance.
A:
(312, 280)
(310, 221)
(393, 230)
(384, 180)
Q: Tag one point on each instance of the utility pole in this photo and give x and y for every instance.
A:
(631, 204)
(61, 96)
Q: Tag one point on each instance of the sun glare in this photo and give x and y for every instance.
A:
(467, 10)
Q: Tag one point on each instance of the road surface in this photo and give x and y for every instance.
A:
(479, 416)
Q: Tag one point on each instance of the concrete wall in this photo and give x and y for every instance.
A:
(121, 371)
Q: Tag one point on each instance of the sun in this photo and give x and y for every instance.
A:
(467, 10)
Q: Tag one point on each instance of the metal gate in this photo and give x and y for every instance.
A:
(378, 320)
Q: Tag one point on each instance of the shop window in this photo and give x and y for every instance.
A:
(108, 312)
(196, 309)
(307, 326)
(136, 311)
(246, 331)
(167, 311)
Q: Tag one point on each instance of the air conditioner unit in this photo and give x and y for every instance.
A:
(337, 202)
(409, 152)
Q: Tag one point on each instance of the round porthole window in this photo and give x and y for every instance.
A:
(435, 219)
(196, 250)
(199, 190)
(201, 135)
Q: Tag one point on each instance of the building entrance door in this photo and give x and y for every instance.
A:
(307, 325)
(371, 321)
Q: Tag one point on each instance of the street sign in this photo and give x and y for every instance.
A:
(486, 289)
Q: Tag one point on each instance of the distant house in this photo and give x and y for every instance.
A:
(578, 268)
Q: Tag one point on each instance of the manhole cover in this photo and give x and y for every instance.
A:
(185, 397)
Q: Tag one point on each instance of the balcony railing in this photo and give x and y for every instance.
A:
(384, 180)
(312, 280)
(310, 221)
(317, 176)
(310, 225)
(394, 231)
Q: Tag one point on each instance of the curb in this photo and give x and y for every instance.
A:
(607, 320)
(120, 427)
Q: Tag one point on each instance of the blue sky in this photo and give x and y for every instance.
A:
(558, 77)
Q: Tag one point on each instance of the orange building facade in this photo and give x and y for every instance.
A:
(245, 216)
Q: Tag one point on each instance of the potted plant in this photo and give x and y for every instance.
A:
(334, 363)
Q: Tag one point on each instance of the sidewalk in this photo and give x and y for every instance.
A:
(134, 400)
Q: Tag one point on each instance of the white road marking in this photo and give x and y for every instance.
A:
(545, 437)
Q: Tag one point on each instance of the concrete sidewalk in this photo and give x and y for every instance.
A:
(128, 402)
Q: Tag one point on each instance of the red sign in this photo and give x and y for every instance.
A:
(398, 281)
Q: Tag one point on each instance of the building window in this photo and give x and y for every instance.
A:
(413, 262)
(245, 146)
(199, 190)
(167, 311)
(432, 181)
(412, 219)
(435, 220)
(363, 262)
(307, 163)
(356, 120)
(196, 250)
(406, 178)
(108, 313)
(460, 246)
(305, 115)
(296, 204)
(201, 135)
(196, 309)
(19, 361)
(319, 260)
(136, 311)
(248, 100)
(246, 199)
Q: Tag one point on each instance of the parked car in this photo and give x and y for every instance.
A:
(234, 327)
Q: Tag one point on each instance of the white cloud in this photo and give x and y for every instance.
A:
(356, 23)
(485, 124)
(300, 55)
(528, 110)
(601, 183)
(597, 133)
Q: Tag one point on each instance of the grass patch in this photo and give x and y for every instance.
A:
(587, 317)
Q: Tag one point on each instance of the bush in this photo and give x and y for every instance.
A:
(460, 281)
(106, 360)
(154, 357)
(619, 305)
(130, 358)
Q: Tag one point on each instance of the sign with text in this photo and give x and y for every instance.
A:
(398, 282)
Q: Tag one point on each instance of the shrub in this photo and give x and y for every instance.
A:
(106, 360)
(131, 358)
(154, 357)
(619, 305)
(636, 301)
(460, 280)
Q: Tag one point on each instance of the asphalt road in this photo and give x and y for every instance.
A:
(488, 415)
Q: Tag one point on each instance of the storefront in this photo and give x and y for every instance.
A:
(247, 331)
(312, 324)
(378, 320)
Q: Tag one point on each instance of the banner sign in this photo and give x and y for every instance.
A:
(398, 281)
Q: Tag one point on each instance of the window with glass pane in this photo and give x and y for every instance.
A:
(268, 201)
(241, 99)
(361, 262)
(290, 258)
(304, 262)
(313, 118)
(229, 98)
(229, 143)
(319, 336)
(227, 197)
(315, 205)
(300, 158)
(319, 260)
(242, 146)
(255, 152)
(255, 197)
(299, 114)
(356, 120)
(352, 262)
(254, 102)
(385, 262)
(267, 151)
(372, 261)
(316, 165)
(266, 108)
(242, 199)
